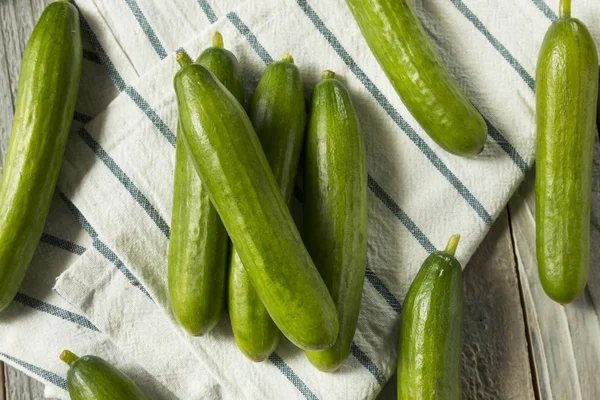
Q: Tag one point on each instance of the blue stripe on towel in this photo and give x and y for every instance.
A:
(292, 377)
(139, 197)
(208, 11)
(394, 114)
(55, 311)
(147, 28)
(101, 247)
(62, 244)
(367, 363)
(42, 373)
(551, 15)
(250, 37)
(495, 42)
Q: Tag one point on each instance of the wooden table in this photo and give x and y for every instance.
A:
(518, 344)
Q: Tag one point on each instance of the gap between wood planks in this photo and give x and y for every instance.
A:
(2, 387)
(534, 375)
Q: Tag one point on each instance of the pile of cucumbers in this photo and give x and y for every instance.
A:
(234, 243)
(246, 164)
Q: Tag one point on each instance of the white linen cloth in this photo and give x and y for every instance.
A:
(117, 181)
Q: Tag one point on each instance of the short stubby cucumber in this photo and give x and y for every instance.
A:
(567, 95)
(335, 208)
(46, 97)
(199, 243)
(400, 44)
(431, 330)
(278, 115)
(92, 378)
(232, 164)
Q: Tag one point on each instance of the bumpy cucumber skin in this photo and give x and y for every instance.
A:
(278, 114)
(335, 209)
(431, 331)
(230, 161)
(225, 66)
(255, 333)
(198, 246)
(400, 44)
(91, 377)
(197, 259)
(46, 97)
(567, 95)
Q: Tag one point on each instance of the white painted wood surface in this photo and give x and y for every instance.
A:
(508, 319)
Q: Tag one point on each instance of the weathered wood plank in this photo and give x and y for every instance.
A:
(495, 352)
(6, 102)
(564, 339)
(2, 390)
(17, 22)
(20, 387)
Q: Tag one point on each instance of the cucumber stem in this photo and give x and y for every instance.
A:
(452, 244)
(218, 40)
(287, 57)
(182, 58)
(327, 74)
(68, 357)
(564, 10)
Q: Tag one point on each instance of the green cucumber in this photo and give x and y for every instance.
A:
(197, 260)
(277, 112)
(46, 97)
(431, 330)
(400, 44)
(224, 65)
(92, 378)
(567, 95)
(231, 163)
(335, 208)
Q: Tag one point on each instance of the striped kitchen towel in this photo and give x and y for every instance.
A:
(39, 323)
(117, 176)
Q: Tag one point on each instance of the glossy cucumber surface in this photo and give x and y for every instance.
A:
(400, 44)
(278, 115)
(199, 243)
(45, 104)
(92, 378)
(232, 164)
(335, 208)
(431, 330)
(567, 95)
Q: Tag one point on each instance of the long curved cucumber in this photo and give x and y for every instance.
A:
(277, 112)
(46, 97)
(92, 378)
(197, 260)
(400, 44)
(567, 94)
(335, 208)
(431, 330)
(231, 163)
